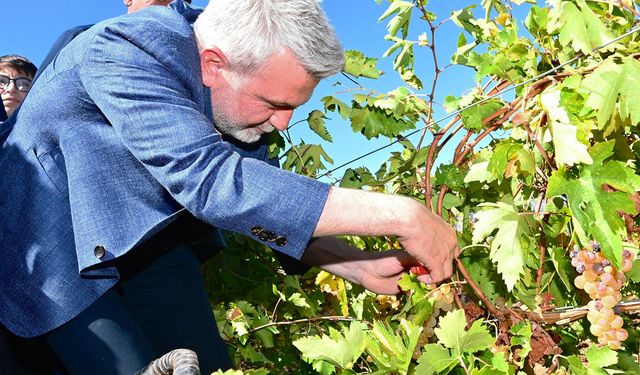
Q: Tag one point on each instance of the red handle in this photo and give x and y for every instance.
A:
(419, 270)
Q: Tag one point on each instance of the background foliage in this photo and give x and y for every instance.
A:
(538, 159)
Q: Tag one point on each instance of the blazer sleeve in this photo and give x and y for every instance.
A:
(143, 74)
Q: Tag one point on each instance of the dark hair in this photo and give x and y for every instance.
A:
(18, 63)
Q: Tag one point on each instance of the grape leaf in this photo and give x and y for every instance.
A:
(434, 359)
(472, 118)
(594, 210)
(373, 122)
(452, 334)
(306, 159)
(615, 81)
(600, 357)
(401, 20)
(331, 103)
(580, 28)
(392, 351)
(576, 365)
(479, 170)
(316, 123)
(337, 349)
(568, 150)
(334, 285)
(521, 338)
(358, 65)
(506, 248)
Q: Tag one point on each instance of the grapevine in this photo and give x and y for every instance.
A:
(538, 170)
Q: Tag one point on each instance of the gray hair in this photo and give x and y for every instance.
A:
(250, 31)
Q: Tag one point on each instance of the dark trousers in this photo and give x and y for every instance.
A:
(158, 306)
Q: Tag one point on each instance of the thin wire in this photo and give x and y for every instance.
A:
(456, 113)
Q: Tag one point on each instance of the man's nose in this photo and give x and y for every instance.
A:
(280, 119)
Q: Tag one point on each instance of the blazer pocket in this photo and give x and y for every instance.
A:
(52, 163)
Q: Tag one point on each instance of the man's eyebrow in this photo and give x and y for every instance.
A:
(278, 103)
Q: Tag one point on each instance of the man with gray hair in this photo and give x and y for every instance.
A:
(115, 166)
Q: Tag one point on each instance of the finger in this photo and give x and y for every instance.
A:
(427, 279)
(437, 274)
(447, 269)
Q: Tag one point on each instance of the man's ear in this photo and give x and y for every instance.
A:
(212, 63)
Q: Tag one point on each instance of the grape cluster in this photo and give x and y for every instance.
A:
(442, 298)
(387, 304)
(602, 281)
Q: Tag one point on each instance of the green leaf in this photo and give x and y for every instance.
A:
(472, 117)
(331, 103)
(576, 365)
(357, 65)
(479, 170)
(357, 178)
(507, 249)
(615, 81)
(484, 274)
(392, 350)
(450, 175)
(401, 20)
(276, 144)
(521, 338)
(463, 18)
(337, 349)
(568, 150)
(595, 211)
(536, 21)
(373, 122)
(580, 28)
(306, 159)
(316, 123)
(504, 152)
(562, 266)
(434, 359)
(601, 357)
(452, 334)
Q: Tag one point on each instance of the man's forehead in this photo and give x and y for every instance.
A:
(282, 81)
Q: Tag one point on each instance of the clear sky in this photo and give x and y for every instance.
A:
(29, 27)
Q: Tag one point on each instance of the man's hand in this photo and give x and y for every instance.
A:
(425, 236)
(432, 242)
(379, 272)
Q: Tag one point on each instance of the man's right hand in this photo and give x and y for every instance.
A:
(431, 241)
(424, 235)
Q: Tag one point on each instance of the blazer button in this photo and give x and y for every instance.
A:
(263, 236)
(271, 237)
(281, 241)
(256, 230)
(99, 251)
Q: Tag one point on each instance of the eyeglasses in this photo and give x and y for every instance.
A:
(21, 83)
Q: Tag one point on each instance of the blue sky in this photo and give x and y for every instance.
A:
(31, 26)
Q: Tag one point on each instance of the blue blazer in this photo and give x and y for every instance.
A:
(111, 145)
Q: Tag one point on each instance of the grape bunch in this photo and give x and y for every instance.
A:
(602, 281)
(442, 298)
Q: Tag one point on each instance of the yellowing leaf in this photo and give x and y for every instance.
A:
(358, 65)
(568, 150)
(615, 81)
(507, 251)
(580, 28)
(334, 285)
(338, 349)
